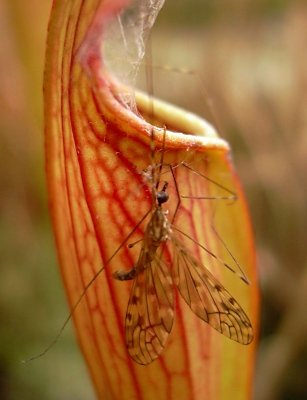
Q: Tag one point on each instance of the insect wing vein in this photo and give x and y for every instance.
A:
(150, 312)
(208, 299)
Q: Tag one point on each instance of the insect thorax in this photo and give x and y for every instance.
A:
(158, 229)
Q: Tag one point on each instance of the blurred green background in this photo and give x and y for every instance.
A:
(251, 57)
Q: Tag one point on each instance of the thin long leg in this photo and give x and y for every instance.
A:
(233, 197)
(87, 286)
(150, 86)
(177, 192)
(130, 245)
(229, 252)
(202, 88)
(242, 277)
(233, 194)
(162, 158)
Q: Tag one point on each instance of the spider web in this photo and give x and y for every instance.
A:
(125, 40)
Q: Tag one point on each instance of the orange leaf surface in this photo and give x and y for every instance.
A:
(96, 152)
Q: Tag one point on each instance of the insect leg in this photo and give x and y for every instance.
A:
(85, 289)
(233, 196)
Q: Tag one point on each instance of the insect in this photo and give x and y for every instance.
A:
(150, 311)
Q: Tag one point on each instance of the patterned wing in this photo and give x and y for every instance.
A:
(150, 312)
(208, 299)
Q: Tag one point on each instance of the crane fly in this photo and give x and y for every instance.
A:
(150, 311)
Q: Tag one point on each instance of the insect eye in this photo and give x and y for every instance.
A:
(162, 197)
